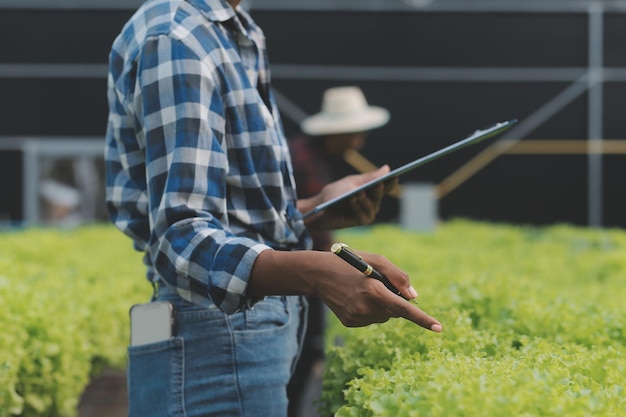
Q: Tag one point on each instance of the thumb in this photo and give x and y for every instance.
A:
(383, 170)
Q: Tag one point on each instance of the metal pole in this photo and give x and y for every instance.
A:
(595, 110)
(30, 176)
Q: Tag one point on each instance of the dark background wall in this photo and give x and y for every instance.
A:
(442, 72)
(430, 112)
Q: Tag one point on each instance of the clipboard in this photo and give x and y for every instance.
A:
(475, 137)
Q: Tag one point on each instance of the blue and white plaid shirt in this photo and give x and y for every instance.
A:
(198, 168)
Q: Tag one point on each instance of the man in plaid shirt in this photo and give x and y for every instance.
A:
(199, 176)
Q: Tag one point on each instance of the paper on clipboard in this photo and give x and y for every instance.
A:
(476, 137)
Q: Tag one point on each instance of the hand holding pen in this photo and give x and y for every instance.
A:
(402, 309)
(346, 253)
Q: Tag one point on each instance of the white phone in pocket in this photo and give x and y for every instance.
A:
(151, 322)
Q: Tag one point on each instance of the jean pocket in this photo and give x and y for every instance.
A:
(155, 379)
(266, 317)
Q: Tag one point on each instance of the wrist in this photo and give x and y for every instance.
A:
(287, 273)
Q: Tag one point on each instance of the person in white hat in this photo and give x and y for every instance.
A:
(341, 125)
(317, 155)
(61, 203)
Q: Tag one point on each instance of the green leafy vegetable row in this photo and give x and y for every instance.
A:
(534, 322)
(65, 296)
(533, 326)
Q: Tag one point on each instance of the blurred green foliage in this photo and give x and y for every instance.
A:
(65, 296)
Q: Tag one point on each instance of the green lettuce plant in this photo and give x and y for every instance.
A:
(65, 296)
(533, 322)
(533, 326)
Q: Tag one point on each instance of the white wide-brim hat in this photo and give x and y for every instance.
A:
(344, 110)
(59, 193)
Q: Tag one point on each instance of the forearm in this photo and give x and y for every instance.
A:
(287, 273)
(354, 298)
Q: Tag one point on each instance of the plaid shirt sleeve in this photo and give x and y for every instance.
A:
(167, 179)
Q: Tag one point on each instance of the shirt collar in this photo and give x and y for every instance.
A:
(221, 11)
(214, 10)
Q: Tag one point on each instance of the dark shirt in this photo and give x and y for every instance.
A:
(312, 170)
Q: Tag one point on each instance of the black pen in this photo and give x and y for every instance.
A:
(346, 253)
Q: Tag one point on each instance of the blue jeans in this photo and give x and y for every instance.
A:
(218, 364)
